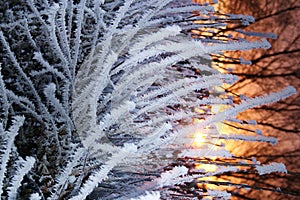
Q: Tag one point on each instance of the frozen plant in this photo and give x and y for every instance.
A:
(107, 91)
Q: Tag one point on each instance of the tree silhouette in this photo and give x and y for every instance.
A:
(270, 70)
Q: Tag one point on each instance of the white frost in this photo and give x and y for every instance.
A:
(272, 167)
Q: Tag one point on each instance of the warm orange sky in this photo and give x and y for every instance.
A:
(286, 60)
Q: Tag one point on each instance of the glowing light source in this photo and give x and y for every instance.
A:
(199, 140)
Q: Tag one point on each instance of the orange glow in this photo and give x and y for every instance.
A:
(200, 110)
(199, 140)
(207, 167)
(210, 186)
(199, 137)
(195, 120)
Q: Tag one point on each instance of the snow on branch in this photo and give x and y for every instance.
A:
(3, 102)
(220, 153)
(169, 178)
(270, 168)
(108, 85)
(151, 38)
(7, 147)
(101, 174)
(248, 138)
(148, 196)
(23, 167)
(219, 194)
(250, 103)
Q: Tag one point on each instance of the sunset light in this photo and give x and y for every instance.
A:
(149, 100)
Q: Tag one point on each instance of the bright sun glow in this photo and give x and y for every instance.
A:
(199, 140)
